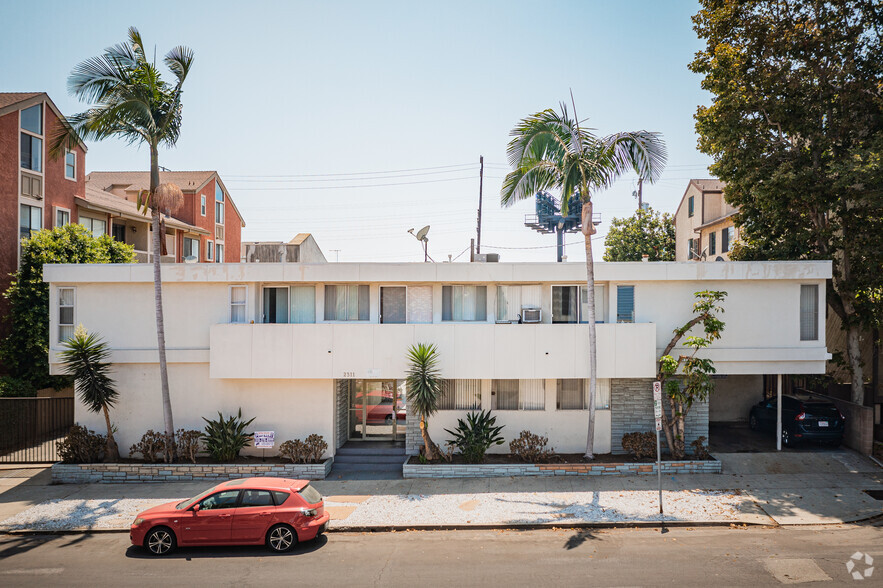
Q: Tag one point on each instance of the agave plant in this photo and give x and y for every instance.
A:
(224, 438)
(474, 437)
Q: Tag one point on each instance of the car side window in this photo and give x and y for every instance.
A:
(225, 499)
(256, 498)
(280, 497)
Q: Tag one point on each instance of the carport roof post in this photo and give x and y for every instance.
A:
(779, 412)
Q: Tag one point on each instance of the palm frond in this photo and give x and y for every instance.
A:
(179, 60)
(423, 379)
(85, 358)
(643, 152)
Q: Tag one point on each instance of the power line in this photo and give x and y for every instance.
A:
(391, 171)
(295, 188)
(541, 246)
(355, 179)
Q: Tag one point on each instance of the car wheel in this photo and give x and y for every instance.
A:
(160, 541)
(786, 438)
(752, 422)
(388, 420)
(281, 538)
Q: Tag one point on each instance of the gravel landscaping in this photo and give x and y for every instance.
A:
(68, 515)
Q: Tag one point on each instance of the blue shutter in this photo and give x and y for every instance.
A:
(625, 304)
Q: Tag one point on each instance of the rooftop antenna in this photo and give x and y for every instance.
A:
(421, 236)
(336, 253)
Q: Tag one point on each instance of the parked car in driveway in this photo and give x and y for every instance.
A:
(804, 418)
(277, 512)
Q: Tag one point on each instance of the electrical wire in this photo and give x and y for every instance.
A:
(294, 188)
(541, 246)
(391, 171)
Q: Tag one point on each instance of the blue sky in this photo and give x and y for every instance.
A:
(315, 90)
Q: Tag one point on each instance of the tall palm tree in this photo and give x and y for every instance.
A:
(84, 357)
(549, 150)
(131, 101)
(424, 390)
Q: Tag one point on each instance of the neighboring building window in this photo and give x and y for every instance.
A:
(512, 299)
(219, 204)
(625, 304)
(725, 239)
(65, 314)
(191, 248)
(275, 309)
(690, 206)
(460, 395)
(238, 297)
(573, 394)
(690, 248)
(31, 152)
(31, 220)
(809, 312)
(118, 232)
(31, 186)
(202, 204)
(70, 165)
(518, 394)
(32, 119)
(209, 250)
(464, 303)
(97, 226)
(62, 217)
(303, 304)
(712, 243)
(219, 252)
(346, 303)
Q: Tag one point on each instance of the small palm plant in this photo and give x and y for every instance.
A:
(84, 357)
(424, 390)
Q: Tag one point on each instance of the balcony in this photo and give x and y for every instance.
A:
(485, 351)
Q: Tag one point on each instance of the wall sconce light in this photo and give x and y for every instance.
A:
(134, 230)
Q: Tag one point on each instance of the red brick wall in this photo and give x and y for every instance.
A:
(232, 233)
(9, 167)
(58, 190)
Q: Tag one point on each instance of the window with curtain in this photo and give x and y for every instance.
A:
(600, 292)
(809, 312)
(65, 314)
(464, 303)
(518, 395)
(573, 394)
(275, 309)
(511, 300)
(238, 296)
(565, 304)
(303, 304)
(347, 302)
(625, 304)
(97, 226)
(191, 248)
(460, 395)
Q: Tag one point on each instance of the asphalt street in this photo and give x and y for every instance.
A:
(616, 557)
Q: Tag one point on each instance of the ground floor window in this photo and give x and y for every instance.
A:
(460, 395)
(573, 394)
(518, 395)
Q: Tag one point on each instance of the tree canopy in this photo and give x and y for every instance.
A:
(647, 232)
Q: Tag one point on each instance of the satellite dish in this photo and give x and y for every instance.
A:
(421, 234)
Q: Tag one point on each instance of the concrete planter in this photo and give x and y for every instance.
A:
(84, 473)
(579, 469)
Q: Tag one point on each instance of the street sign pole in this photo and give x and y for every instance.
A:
(657, 413)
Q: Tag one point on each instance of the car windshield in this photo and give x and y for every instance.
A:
(310, 494)
(191, 501)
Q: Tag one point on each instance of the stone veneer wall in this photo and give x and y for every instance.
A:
(413, 439)
(631, 410)
(84, 473)
(586, 469)
(342, 404)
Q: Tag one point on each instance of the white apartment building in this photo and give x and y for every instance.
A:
(321, 348)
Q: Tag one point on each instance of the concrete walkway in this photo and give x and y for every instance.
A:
(758, 488)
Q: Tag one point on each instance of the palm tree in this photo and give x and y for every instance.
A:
(132, 102)
(549, 150)
(84, 357)
(424, 390)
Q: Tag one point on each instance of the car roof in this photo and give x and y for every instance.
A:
(265, 483)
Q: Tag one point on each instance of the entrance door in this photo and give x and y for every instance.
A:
(377, 410)
(393, 307)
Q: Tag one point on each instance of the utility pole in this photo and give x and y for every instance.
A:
(640, 195)
(480, 185)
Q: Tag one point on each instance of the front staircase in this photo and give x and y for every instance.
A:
(369, 460)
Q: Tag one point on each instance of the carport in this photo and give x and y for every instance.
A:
(729, 408)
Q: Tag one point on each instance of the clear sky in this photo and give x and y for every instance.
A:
(328, 94)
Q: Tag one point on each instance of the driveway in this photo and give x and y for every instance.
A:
(738, 438)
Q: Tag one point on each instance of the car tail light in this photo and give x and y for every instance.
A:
(800, 417)
(309, 512)
(842, 418)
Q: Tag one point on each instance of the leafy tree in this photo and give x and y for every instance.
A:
(424, 390)
(25, 351)
(85, 356)
(796, 130)
(133, 102)
(687, 378)
(646, 233)
(549, 150)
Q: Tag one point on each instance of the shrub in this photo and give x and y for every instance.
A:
(187, 444)
(473, 437)
(640, 445)
(225, 438)
(151, 447)
(81, 446)
(309, 451)
(16, 388)
(531, 448)
(699, 449)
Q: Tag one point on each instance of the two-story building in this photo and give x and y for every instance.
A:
(704, 224)
(321, 348)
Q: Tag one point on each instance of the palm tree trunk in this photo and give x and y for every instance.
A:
(168, 421)
(112, 451)
(588, 230)
(429, 449)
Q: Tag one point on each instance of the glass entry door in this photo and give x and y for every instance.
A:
(377, 410)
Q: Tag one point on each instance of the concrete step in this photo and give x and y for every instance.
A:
(366, 467)
(356, 451)
(399, 459)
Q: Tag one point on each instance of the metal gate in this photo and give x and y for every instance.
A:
(30, 427)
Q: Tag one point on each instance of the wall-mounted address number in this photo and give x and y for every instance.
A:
(349, 374)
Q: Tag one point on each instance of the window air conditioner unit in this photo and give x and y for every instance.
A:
(531, 315)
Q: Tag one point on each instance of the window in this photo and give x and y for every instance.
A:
(460, 395)
(97, 226)
(32, 119)
(31, 186)
(625, 304)
(809, 312)
(518, 395)
(725, 239)
(310, 494)
(191, 248)
(219, 204)
(238, 297)
(219, 252)
(63, 217)
(31, 152)
(712, 243)
(570, 304)
(202, 204)
(512, 299)
(303, 304)
(280, 497)
(275, 309)
(209, 250)
(690, 206)
(225, 499)
(70, 165)
(464, 303)
(584, 304)
(690, 248)
(31, 220)
(256, 498)
(573, 394)
(346, 303)
(65, 314)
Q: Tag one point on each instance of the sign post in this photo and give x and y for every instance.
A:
(657, 414)
(264, 440)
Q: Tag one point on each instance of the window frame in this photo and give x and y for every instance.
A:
(520, 399)
(56, 210)
(31, 230)
(449, 395)
(712, 243)
(461, 320)
(231, 304)
(209, 250)
(66, 164)
(634, 304)
(219, 252)
(59, 306)
(39, 136)
(800, 313)
(325, 318)
(585, 385)
(691, 206)
(184, 241)
(202, 204)
(93, 220)
(726, 238)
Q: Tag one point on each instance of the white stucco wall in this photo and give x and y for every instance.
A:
(733, 398)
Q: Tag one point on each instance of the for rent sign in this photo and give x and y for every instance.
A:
(264, 439)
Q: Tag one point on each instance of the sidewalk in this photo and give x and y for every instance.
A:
(770, 489)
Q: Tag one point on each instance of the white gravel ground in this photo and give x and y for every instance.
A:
(67, 515)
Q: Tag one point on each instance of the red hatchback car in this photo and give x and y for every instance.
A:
(278, 512)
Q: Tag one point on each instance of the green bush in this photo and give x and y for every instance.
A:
(473, 437)
(531, 448)
(309, 451)
(11, 387)
(640, 445)
(81, 446)
(225, 438)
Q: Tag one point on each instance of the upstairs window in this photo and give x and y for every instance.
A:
(518, 395)
(30, 221)
(809, 312)
(346, 303)
(690, 206)
(70, 165)
(570, 304)
(209, 250)
(202, 204)
(32, 119)
(65, 314)
(303, 304)
(690, 249)
(464, 303)
(219, 252)
(62, 217)
(238, 298)
(460, 395)
(219, 204)
(191, 248)
(511, 300)
(97, 226)
(32, 146)
(625, 304)
(275, 305)
(712, 243)
(725, 239)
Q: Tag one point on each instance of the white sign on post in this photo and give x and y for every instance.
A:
(657, 391)
(264, 439)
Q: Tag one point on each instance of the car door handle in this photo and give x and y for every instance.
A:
(224, 516)
(263, 514)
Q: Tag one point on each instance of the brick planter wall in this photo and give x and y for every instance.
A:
(582, 469)
(84, 473)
